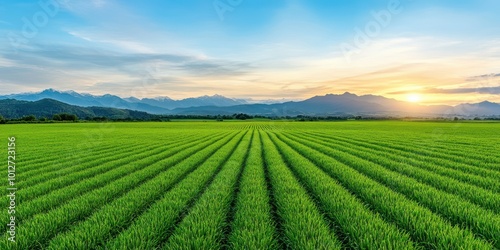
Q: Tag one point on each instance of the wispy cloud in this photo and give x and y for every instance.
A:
(481, 90)
(273, 49)
(106, 70)
(80, 6)
(83, 58)
(483, 77)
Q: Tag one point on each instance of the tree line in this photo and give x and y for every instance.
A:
(66, 117)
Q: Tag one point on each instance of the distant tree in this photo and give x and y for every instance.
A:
(43, 119)
(477, 119)
(2, 120)
(29, 118)
(455, 119)
(67, 117)
(241, 116)
(56, 117)
(100, 118)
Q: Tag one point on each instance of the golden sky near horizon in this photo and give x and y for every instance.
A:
(429, 52)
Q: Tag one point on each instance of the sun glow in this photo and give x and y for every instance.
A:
(414, 97)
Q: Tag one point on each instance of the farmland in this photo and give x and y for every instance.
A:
(255, 185)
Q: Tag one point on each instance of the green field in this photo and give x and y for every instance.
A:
(254, 185)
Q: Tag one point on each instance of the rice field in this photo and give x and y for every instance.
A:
(254, 185)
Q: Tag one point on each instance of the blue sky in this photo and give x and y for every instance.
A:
(441, 51)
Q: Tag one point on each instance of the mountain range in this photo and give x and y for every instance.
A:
(330, 104)
(159, 105)
(15, 109)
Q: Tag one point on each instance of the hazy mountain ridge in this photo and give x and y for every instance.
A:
(330, 104)
(350, 104)
(15, 109)
(158, 105)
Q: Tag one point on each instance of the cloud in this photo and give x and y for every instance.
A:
(81, 6)
(483, 77)
(480, 90)
(103, 71)
(84, 58)
(215, 68)
(127, 45)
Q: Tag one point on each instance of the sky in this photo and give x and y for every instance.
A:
(425, 51)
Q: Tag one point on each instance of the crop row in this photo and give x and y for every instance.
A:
(478, 166)
(253, 202)
(464, 173)
(479, 196)
(204, 226)
(49, 162)
(154, 224)
(414, 151)
(300, 223)
(91, 170)
(38, 230)
(111, 220)
(349, 214)
(276, 185)
(457, 146)
(125, 166)
(426, 228)
(59, 166)
(44, 183)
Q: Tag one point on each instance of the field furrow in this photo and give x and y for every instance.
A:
(253, 201)
(38, 230)
(204, 225)
(310, 230)
(127, 166)
(465, 174)
(67, 165)
(98, 168)
(479, 196)
(462, 162)
(348, 214)
(110, 220)
(395, 207)
(485, 223)
(255, 184)
(152, 226)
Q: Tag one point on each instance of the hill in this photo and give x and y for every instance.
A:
(15, 109)
(350, 104)
(346, 104)
(159, 105)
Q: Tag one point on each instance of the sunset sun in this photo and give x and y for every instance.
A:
(414, 98)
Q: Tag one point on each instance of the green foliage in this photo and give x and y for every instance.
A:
(255, 185)
(242, 116)
(14, 109)
(29, 118)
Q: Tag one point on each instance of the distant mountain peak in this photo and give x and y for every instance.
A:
(487, 102)
(161, 98)
(49, 90)
(214, 95)
(348, 94)
(329, 104)
(55, 91)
